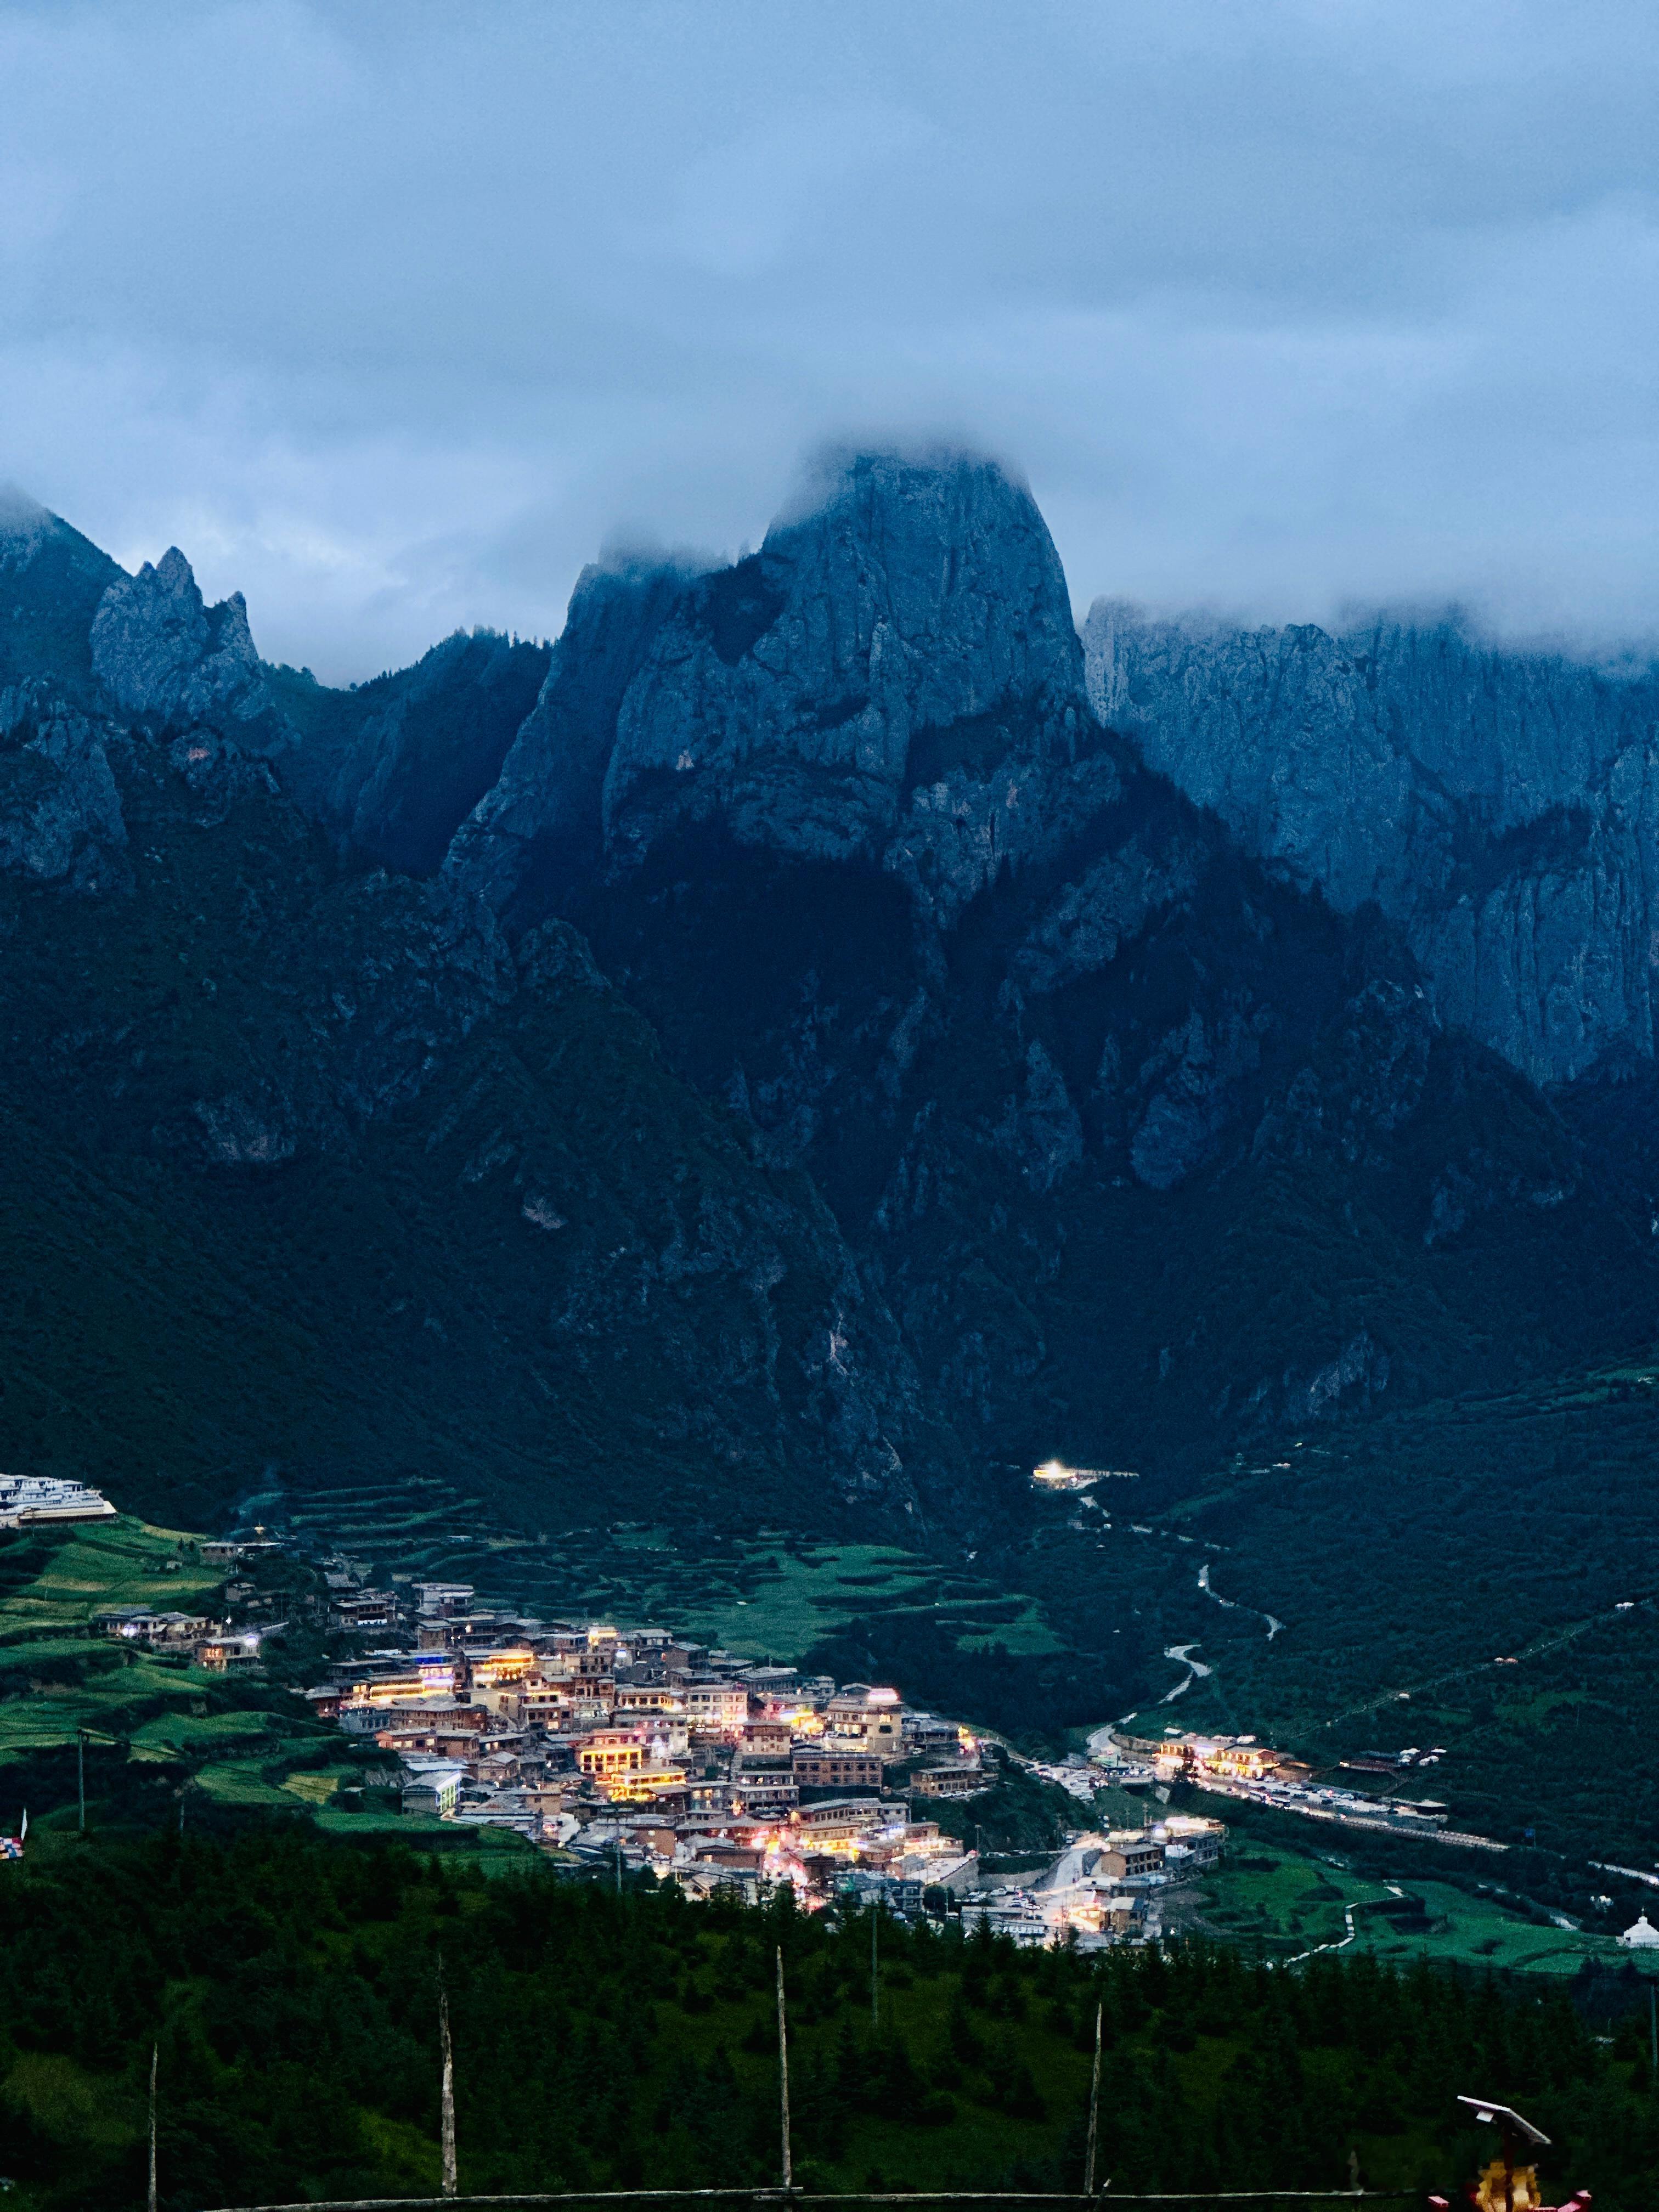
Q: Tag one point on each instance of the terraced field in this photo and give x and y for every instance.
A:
(58, 1578)
(155, 1730)
(775, 1593)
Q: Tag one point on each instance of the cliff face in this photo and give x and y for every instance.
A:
(538, 829)
(1500, 806)
(162, 655)
(892, 681)
(841, 819)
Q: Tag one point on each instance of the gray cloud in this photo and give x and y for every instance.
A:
(391, 315)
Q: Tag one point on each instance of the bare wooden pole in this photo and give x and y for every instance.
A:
(1094, 2113)
(155, 2052)
(875, 2009)
(783, 2078)
(447, 2122)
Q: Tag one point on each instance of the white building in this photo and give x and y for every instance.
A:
(432, 1785)
(26, 1499)
(1642, 1936)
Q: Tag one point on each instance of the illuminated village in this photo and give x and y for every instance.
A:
(642, 1749)
(635, 1749)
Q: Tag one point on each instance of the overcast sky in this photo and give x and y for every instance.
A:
(391, 315)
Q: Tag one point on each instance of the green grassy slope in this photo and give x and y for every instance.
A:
(166, 1741)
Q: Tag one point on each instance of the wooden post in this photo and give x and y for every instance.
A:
(154, 2050)
(81, 1773)
(447, 2094)
(1653, 2033)
(875, 2009)
(1094, 2113)
(783, 2078)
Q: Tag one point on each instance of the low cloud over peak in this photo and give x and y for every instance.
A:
(392, 317)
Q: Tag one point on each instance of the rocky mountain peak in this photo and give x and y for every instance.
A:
(944, 560)
(160, 651)
(906, 627)
(892, 679)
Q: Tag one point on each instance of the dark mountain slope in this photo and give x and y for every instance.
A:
(948, 1090)
(1232, 1179)
(396, 766)
(51, 581)
(307, 1170)
(1147, 1148)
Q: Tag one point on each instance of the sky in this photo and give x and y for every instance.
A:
(391, 316)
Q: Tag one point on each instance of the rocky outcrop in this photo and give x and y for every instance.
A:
(164, 656)
(1500, 805)
(894, 679)
(60, 810)
(539, 828)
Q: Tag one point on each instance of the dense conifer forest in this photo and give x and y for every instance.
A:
(609, 2041)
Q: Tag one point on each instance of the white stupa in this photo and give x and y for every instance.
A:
(1642, 1936)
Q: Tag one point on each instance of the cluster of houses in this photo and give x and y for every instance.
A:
(638, 1748)
(1175, 1756)
(634, 1749)
(233, 1645)
(1104, 1888)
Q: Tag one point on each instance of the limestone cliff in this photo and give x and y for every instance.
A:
(162, 655)
(894, 679)
(539, 826)
(1500, 805)
(841, 818)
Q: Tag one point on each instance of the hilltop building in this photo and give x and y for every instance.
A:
(29, 1499)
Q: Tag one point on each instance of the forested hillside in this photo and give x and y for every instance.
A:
(292, 1988)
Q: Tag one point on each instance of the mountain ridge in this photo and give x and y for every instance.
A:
(1047, 1114)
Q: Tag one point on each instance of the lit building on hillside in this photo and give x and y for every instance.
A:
(719, 1705)
(831, 1766)
(608, 1752)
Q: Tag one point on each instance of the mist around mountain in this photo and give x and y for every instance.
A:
(816, 1041)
